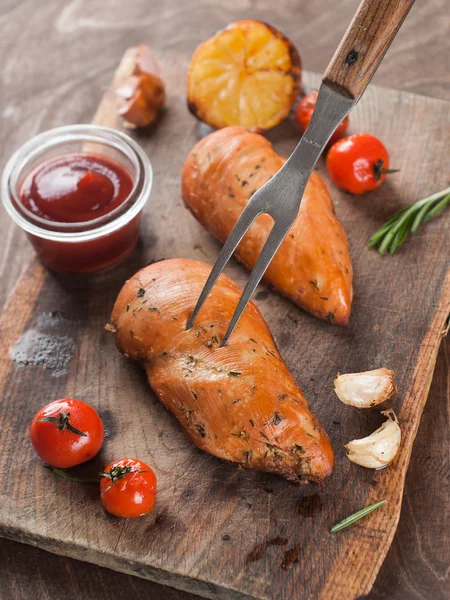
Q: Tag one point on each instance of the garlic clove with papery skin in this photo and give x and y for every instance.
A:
(380, 448)
(366, 389)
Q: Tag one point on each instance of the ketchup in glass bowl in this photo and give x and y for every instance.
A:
(78, 192)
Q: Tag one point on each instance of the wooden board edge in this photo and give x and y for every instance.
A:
(13, 321)
(342, 582)
(32, 270)
(178, 581)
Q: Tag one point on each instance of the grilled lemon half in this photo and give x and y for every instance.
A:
(247, 74)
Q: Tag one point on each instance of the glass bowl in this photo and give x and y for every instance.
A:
(90, 245)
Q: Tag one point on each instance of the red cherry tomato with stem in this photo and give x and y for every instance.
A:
(358, 163)
(66, 433)
(303, 114)
(128, 488)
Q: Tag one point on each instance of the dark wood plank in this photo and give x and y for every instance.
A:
(415, 567)
(77, 44)
(56, 577)
(61, 321)
(40, 98)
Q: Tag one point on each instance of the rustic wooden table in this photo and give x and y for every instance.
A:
(56, 59)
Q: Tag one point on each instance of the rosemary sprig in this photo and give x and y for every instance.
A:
(394, 232)
(356, 516)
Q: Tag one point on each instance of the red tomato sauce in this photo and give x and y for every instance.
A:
(78, 188)
(75, 188)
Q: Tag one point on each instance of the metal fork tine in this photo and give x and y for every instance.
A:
(248, 215)
(273, 242)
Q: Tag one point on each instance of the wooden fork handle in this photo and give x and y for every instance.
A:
(364, 44)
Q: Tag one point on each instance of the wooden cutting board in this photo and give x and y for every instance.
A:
(216, 530)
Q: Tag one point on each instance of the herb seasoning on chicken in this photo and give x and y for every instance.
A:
(238, 402)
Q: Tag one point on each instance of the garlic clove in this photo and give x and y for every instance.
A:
(380, 448)
(365, 389)
(139, 89)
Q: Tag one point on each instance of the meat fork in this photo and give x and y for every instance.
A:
(358, 56)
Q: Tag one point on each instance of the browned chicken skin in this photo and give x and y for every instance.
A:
(312, 266)
(239, 402)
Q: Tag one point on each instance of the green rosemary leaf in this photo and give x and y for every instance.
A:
(420, 216)
(395, 242)
(400, 236)
(356, 516)
(378, 235)
(438, 208)
(407, 220)
(398, 214)
(386, 242)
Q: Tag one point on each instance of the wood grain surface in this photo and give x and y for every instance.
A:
(64, 88)
(216, 530)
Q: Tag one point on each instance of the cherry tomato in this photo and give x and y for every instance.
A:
(303, 114)
(128, 488)
(66, 433)
(358, 163)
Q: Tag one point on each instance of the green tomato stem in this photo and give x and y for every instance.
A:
(65, 475)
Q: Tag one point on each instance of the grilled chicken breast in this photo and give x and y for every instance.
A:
(312, 266)
(240, 402)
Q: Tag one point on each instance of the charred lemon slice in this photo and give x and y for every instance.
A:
(247, 74)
